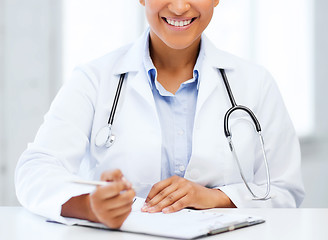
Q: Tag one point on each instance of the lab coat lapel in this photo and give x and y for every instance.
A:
(139, 120)
(208, 83)
(132, 63)
(206, 165)
(141, 86)
(214, 59)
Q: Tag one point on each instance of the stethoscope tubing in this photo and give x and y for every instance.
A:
(116, 98)
(257, 126)
(104, 136)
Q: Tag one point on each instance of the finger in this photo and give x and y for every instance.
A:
(119, 211)
(115, 175)
(112, 189)
(128, 184)
(119, 201)
(111, 175)
(169, 200)
(117, 222)
(115, 218)
(162, 195)
(103, 208)
(158, 187)
(177, 206)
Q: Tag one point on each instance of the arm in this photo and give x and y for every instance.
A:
(79, 207)
(45, 169)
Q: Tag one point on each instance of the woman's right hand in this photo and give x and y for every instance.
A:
(112, 204)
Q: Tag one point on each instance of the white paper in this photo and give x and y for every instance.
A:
(185, 224)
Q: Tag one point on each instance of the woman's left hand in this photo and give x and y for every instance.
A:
(176, 193)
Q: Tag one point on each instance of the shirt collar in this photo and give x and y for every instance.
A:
(151, 70)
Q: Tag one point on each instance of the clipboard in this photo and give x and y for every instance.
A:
(185, 224)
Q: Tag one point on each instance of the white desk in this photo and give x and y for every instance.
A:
(17, 223)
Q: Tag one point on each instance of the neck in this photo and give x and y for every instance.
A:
(165, 57)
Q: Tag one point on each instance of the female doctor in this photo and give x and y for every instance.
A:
(168, 127)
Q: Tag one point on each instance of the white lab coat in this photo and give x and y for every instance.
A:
(64, 147)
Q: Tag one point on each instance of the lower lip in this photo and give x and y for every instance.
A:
(175, 28)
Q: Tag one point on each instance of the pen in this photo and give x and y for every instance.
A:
(135, 186)
(89, 182)
(96, 183)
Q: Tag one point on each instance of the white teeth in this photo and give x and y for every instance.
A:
(178, 23)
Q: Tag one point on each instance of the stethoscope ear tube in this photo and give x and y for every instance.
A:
(243, 108)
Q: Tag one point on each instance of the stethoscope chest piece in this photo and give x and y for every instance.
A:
(105, 137)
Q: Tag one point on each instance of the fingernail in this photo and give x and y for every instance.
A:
(152, 209)
(144, 209)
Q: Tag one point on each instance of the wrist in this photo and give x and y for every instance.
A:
(79, 207)
(215, 198)
(90, 214)
(223, 201)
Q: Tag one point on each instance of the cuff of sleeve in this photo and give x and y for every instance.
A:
(242, 198)
(50, 206)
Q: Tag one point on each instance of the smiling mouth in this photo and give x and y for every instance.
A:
(177, 23)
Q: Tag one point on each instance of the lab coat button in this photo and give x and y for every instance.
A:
(182, 168)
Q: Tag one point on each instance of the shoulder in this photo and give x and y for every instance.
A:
(100, 69)
(125, 59)
(223, 59)
(249, 80)
(230, 62)
(107, 62)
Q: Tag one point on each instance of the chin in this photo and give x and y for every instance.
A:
(180, 44)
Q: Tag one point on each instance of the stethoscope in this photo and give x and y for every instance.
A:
(105, 137)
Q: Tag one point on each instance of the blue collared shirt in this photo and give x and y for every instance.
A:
(176, 113)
